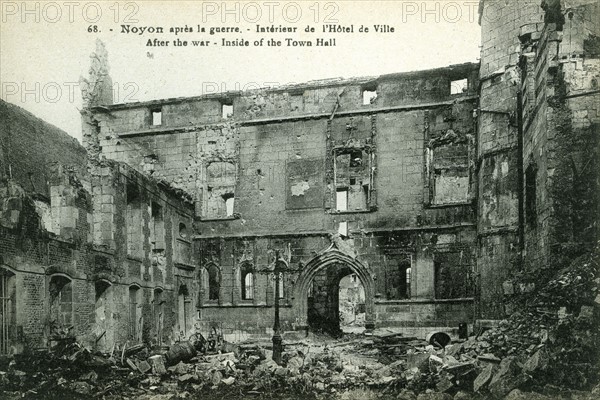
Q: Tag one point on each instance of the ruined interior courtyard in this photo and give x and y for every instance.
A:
(380, 210)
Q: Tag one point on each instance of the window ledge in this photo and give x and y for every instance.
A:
(181, 265)
(247, 305)
(427, 301)
(444, 205)
(135, 258)
(335, 212)
(213, 219)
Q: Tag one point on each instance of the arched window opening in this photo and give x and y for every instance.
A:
(134, 312)
(247, 283)
(8, 310)
(102, 311)
(408, 272)
(61, 302)
(214, 282)
(158, 306)
(398, 280)
(184, 310)
(281, 286)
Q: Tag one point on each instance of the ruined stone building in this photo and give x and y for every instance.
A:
(434, 188)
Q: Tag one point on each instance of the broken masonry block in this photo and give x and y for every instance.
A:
(143, 366)
(158, 364)
(483, 378)
(131, 364)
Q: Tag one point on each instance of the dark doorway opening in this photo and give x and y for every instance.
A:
(336, 301)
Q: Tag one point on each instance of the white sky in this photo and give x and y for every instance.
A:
(41, 61)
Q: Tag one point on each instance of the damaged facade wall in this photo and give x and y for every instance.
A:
(64, 255)
(538, 142)
(291, 157)
(498, 154)
(561, 69)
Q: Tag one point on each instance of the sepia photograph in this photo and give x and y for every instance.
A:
(320, 200)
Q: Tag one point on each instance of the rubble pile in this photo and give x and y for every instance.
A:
(546, 350)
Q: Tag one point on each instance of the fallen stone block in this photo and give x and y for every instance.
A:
(489, 358)
(228, 381)
(158, 364)
(418, 360)
(144, 367)
(483, 378)
(434, 396)
(537, 362)
(217, 377)
(187, 378)
(435, 363)
(517, 394)
(507, 378)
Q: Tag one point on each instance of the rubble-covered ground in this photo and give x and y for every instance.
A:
(547, 349)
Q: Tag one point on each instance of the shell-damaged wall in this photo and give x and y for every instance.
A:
(386, 161)
(96, 251)
(499, 155)
(537, 142)
(561, 125)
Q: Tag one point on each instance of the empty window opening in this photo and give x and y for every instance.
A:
(221, 182)
(449, 174)
(214, 282)
(157, 228)
(157, 117)
(134, 313)
(183, 231)
(8, 310)
(352, 180)
(229, 201)
(184, 311)
(134, 221)
(158, 306)
(459, 86)
(531, 194)
(61, 302)
(356, 159)
(369, 96)
(398, 280)
(341, 202)
(452, 275)
(247, 283)
(103, 314)
(343, 228)
(226, 110)
(407, 292)
(281, 286)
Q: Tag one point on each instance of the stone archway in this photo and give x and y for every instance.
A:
(321, 262)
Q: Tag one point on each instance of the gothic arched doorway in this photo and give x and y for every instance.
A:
(333, 265)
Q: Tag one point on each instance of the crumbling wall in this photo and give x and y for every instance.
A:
(560, 138)
(498, 147)
(269, 177)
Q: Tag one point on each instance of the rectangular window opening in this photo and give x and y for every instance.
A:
(343, 228)
(156, 117)
(226, 110)
(157, 227)
(133, 221)
(531, 195)
(369, 96)
(459, 86)
(341, 201)
(229, 203)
